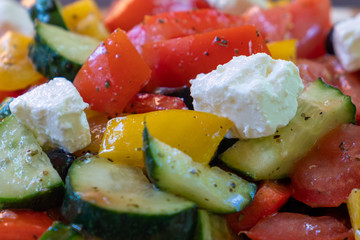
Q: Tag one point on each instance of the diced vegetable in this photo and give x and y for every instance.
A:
(48, 11)
(127, 13)
(60, 231)
(23, 224)
(174, 62)
(16, 70)
(285, 49)
(27, 178)
(112, 75)
(326, 176)
(114, 201)
(282, 225)
(354, 211)
(269, 198)
(84, 17)
(211, 187)
(197, 134)
(57, 52)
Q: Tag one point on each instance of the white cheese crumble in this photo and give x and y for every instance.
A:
(54, 112)
(237, 6)
(259, 94)
(14, 17)
(347, 43)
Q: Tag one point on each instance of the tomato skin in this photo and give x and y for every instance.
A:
(170, 25)
(326, 176)
(350, 85)
(295, 226)
(23, 224)
(125, 14)
(273, 23)
(148, 102)
(310, 25)
(174, 62)
(269, 198)
(112, 75)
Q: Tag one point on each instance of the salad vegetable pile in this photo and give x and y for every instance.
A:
(179, 119)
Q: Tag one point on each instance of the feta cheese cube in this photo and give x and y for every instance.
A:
(347, 43)
(54, 112)
(259, 94)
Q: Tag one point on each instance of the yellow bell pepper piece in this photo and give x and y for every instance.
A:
(280, 3)
(197, 134)
(84, 17)
(285, 49)
(353, 205)
(16, 69)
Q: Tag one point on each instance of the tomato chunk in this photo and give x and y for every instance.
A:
(174, 62)
(295, 226)
(24, 225)
(112, 75)
(147, 102)
(269, 198)
(170, 25)
(125, 14)
(326, 176)
(310, 25)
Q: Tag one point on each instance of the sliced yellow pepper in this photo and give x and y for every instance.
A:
(353, 205)
(198, 134)
(84, 17)
(285, 49)
(276, 3)
(16, 69)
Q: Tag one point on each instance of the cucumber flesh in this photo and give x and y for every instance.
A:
(48, 11)
(60, 53)
(60, 231)
(211, 188)
(27, 178)
(114, 201)
(321, 109)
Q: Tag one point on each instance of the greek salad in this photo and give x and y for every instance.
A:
(191, 119)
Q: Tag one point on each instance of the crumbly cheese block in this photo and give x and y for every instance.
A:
(259, 94)
(54, 112)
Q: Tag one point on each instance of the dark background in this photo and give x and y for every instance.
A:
(335, 2)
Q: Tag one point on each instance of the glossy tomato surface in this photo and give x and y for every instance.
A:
(326, 176)
(295, 226)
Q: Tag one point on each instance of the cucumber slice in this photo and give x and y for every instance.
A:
(60, 231)
(212, 188)
(27, 178)
(48, 11)
(321, 108)
(213, 227)
(114, 201)
(59, 53)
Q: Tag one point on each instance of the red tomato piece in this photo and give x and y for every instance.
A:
(326, 176)
(274, 23)
(310, 25)
(170, 25)
(295, 226)
(23, 225)
(350, 85)
(112, 75)
(147, 102)
(174, 62)
(269, 198)
(125, 14)
(311, 70)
